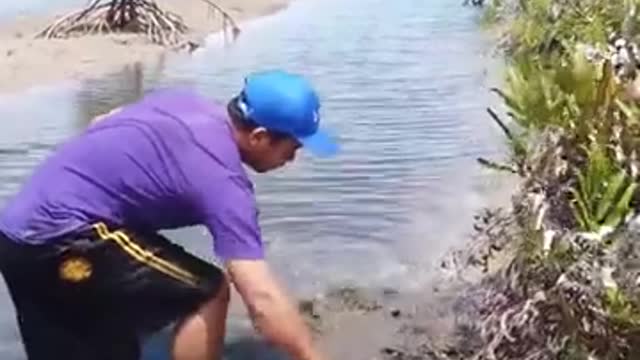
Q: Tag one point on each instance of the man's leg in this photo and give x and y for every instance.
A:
(107, 289)
(57, 321)
(164, 284)
(200, 336)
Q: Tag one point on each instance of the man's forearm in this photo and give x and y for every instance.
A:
(273, 314)
(280, 322)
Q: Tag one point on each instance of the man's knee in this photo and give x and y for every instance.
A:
(201, 334)
(223, 294)
(214, 307)
(219, 298)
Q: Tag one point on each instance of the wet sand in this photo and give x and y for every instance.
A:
(26, 61)
(361, 324)
(365, 324)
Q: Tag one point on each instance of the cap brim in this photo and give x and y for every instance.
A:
(320, 144)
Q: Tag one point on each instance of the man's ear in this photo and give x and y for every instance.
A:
(258, 135)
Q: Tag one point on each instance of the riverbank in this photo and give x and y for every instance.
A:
(26, 61)
(440, 321)
(569, 287)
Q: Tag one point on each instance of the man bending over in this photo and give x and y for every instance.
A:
(88, 272)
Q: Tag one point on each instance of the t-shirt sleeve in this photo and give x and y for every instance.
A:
(228, 209)
(226, 205)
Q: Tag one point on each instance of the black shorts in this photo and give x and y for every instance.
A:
(97, 295)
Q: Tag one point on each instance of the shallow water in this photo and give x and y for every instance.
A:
(405, 89)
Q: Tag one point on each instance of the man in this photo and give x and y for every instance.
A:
(88, 273)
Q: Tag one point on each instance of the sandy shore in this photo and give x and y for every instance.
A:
(26, 61)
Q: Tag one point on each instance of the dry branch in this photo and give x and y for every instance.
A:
(137, 16)
(226, 19)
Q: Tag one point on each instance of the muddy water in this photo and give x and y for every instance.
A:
(404, 88)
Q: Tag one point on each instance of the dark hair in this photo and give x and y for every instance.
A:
(242, 122)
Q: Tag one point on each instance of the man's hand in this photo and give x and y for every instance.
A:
(272, 313)
(102, 116)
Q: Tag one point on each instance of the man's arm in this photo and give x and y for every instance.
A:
(273, 314)
(227, 205)
(104, 115)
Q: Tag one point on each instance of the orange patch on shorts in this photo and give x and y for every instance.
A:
(75, 269)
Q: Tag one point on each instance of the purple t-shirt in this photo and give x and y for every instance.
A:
(167, 161)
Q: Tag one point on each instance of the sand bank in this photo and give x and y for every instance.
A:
(26, 61)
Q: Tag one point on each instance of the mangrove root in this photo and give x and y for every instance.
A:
(137, 16)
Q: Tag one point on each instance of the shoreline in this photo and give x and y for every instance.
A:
(26, 62)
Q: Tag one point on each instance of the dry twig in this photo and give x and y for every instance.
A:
(137, 16)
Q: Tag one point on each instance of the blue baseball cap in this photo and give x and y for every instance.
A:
(287, 103)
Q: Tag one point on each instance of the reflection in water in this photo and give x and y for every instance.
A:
(124, 87)
(97, 96)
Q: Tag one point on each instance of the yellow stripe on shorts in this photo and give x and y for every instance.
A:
(144, 256)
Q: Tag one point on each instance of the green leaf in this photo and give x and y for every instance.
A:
(622, 207)
(613, 189)
(630, 113)
(580, 212)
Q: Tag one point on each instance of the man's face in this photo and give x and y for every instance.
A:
(269, 152)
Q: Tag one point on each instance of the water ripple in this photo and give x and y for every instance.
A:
(404, 90)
